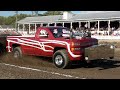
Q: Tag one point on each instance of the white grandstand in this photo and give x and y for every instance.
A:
(101, 23)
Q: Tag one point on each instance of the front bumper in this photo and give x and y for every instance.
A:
(99, 52)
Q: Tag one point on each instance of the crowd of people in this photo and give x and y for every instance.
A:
(101, 32)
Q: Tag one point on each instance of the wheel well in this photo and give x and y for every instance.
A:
(58, 48)
(15, 45)
(2, 47)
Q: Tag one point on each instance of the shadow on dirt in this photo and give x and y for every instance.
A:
(102, 64)
(47, 59)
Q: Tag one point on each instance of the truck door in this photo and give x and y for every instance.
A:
(28, 48)
(43, 47)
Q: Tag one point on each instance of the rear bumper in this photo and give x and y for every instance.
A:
(99, 52)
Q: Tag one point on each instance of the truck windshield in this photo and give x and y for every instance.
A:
(60, 32)
(67, 33)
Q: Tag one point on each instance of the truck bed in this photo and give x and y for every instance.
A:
(3, 38)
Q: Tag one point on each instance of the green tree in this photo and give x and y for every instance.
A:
(54, 13)
(12, 19)
(21, 16)
(2, 19)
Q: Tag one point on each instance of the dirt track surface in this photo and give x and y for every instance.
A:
(43, 68)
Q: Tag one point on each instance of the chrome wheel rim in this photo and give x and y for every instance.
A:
(58, 59)
(16, 54)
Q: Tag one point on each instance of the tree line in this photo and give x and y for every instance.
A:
(12, 19)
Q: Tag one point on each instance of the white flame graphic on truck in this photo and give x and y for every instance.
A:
(42, 45)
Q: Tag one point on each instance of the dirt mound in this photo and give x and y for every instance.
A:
(27, 60)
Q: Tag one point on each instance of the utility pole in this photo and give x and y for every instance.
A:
(16, 13)
(36, 13)
(32, 13)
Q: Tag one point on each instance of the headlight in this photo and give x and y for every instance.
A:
(75, 49)
(75, 44)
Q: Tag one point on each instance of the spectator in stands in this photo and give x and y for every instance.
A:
(86, 26)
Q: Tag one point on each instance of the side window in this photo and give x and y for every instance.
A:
(43, 34)
(55, 33)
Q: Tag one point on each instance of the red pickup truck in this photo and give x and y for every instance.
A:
(60, 44)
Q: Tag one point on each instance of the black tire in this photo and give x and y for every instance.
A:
(65, 62)
(17, 53)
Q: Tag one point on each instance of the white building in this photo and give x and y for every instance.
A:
(6, 27)
(100, 18)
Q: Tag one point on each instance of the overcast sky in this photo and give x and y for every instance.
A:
(11, 13)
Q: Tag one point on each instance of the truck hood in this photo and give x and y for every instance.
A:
(81, 42)
(85, 42)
